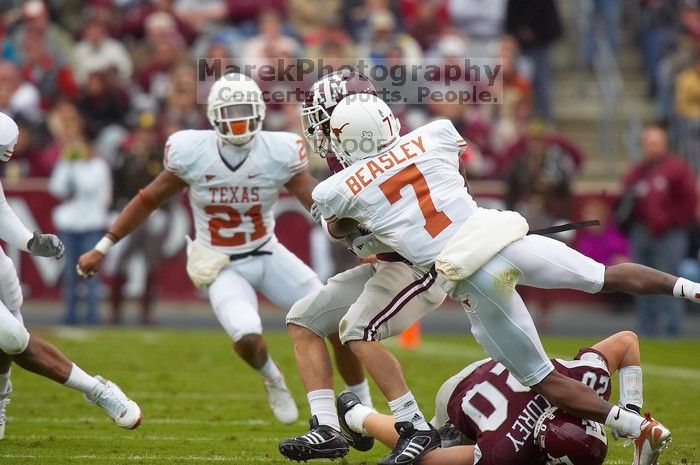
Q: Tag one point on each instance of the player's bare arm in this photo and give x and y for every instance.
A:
(159, 191)
(301, 185)
(621, 350)
(339, 228)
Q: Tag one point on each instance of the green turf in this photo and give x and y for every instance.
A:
(203, 405)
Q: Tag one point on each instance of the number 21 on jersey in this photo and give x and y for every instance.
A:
(225, 217)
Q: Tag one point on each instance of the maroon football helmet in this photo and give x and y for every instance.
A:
(569, 440)
(320, 101)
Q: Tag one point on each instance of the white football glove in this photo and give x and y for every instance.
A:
(368, 245)
(315, 213)
(46, 245)
(6, 152)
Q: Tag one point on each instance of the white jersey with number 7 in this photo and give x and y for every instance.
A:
(411, 197)
(233, 205)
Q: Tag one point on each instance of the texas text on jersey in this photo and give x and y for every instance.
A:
(497, 412)
(233, 205)
(423, 164)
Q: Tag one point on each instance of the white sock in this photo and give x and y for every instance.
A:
(631, 388)
(270, 371)
(356, 416)
(322, 404)
(625, 422)
(361, 390)
(687, 289)
(81, 381)
(405, 408)
(5, 385)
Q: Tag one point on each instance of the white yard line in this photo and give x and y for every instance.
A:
(139, 458)
(187, 395)
(136, 437)
(153, 421)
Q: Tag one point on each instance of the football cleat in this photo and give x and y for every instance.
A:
(320, 442)
(412, 445)
(653, 439)
(344, 403)
(122, 410)
(281, 401)
(4, 401)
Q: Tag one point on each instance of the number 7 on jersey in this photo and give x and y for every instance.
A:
(435, 221)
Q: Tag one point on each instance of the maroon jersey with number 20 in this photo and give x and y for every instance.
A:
(497, 412)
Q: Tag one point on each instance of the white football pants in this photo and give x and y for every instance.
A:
(282, 277)
(500, 321)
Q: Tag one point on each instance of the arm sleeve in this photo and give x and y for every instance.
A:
(175, 156)
(449, 137)
(12, 230)
(330, 203)
(294, 158)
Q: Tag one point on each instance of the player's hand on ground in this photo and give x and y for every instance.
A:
(89, 263)
(46, 245)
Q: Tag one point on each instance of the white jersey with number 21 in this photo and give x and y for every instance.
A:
(233, 205)
(412, 197)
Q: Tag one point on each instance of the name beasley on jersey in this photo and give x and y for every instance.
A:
(234, 194)
(366, 174)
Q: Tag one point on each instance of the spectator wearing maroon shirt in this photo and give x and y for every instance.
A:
(665, 205)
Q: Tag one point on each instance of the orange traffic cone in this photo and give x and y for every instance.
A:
(410, 338)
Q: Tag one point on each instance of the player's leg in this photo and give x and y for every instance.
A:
(39, 357)
(310, 319)
(546, 263)
(235, 305)
(394, 298)
(287, 279)
(504, 328)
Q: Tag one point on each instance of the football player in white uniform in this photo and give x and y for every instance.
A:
(408, 192)
(234, 174)
(31, 352)
(373, 300)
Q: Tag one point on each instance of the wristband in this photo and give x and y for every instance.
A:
(112, 236)
(104, 245)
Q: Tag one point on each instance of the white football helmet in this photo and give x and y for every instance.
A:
(235, 108)
(9, 133)
(362, 126)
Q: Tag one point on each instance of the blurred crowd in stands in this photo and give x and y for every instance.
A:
(97, 85)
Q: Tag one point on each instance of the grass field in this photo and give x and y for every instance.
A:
(203, 405)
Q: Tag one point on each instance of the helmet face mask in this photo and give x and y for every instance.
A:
(321, 100)
(235, 108)
(315, 123)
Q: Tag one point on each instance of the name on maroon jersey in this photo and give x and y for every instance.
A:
(523, 427)
(366, 174)
(234, 194)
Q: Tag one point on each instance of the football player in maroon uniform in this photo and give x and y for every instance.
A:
(508, 424)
